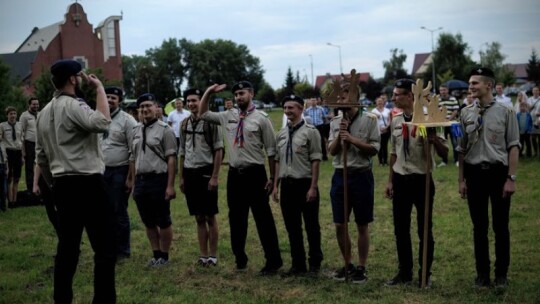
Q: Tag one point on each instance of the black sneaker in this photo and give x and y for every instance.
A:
(359, 276)
(241, 267)
(269, 271)
(501, 282)
(399, 279)
(340, 274)
(482, 281)
(295, 271)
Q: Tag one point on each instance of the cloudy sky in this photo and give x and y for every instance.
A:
(295, 33)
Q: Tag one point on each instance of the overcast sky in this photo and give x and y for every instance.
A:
(285, 33)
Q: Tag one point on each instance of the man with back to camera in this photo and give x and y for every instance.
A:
(249, 133)
(116, 149)
(489, 151)
(67, 144)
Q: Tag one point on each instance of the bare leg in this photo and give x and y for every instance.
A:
(363, 244)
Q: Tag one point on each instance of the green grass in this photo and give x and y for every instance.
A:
(27, 247)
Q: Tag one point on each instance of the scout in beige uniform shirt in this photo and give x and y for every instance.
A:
(153, 164)
(116, 144)
(360, 132)
(407, 185)
(6, 135)
(364, 127)
(28, 123)
(258, 133)
(249, 133)
(67, 144)
(489, 153)
(161, 138)
(69, 150)
(297, 164)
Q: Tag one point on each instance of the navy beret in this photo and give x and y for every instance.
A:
(146, 97)
(192, 92)
(482, 72)
(62, 69)
(404, 83)
(114, 91)
(292, 97)
(242, 85)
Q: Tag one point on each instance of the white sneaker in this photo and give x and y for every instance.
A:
(442, 164)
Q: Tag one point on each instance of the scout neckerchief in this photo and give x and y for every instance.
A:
(13, 131)
(113, 114)
(146, 125)
(194, 122)
(239, 139)
(292, 129)
(405, 134)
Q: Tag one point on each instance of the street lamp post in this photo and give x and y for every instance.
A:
(432, 55)
(339, 48)
(311, 61)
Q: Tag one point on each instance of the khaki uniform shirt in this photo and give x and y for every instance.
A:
(488, 137)
(364, 127)
(66, 137)
(306, 147)
(193, 146)
(415, 162)
(159, 137)
(6, 137)
(258, 134)
(28, 123)
(116, 142)
(3, 155)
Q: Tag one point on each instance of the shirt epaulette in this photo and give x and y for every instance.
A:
(370, 115)
(337, 117)
(263, 113)
(399, 114)
(309, 126)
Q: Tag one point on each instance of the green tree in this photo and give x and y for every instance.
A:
(451, 54)
(493, 58)
(168, 63)
(10, 93)
(290, 81)
(266, 93)
(43, 87)
(393, 68)
(533, 68)
(220, 61)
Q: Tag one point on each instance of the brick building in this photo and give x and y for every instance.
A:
(73, 38)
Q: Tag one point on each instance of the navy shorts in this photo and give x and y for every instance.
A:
(149, 195)
(361, 196)
(14, 163)
(200, 200)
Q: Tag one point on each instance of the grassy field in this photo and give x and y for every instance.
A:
(27, 247)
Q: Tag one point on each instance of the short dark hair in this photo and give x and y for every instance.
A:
(10, 109)
(32, 98)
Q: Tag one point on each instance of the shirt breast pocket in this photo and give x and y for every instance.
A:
(251, 131)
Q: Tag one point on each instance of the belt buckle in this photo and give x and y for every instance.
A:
(484, 166)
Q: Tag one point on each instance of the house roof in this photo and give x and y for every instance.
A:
(419, 60)
(19, 63)
(520, 70)
(321, 79)
(40, 37)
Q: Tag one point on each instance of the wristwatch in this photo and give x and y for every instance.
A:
(512, 177)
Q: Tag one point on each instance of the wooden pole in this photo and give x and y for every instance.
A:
(347, 256)
(426, 212)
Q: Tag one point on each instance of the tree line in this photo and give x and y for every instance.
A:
(181, 63)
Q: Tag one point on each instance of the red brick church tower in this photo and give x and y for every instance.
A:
(73, 38)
